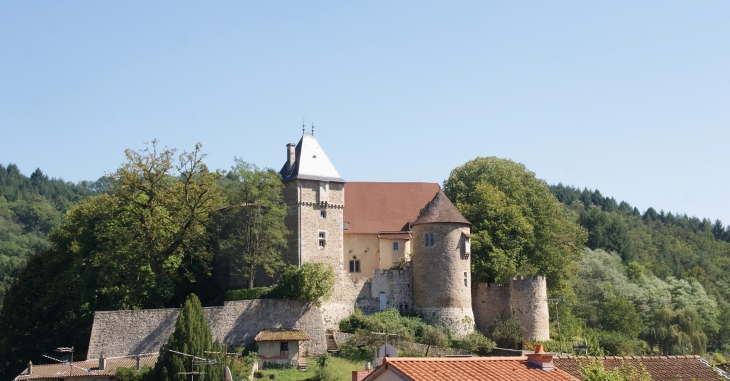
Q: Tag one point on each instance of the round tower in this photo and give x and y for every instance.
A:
(528, 299)
(442, 267)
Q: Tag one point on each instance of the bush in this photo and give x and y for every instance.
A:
(247, 294)
(507, 333)
(131, 374)
(313, 282)
(477, 343)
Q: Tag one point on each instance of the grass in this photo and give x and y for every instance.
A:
(342, 368)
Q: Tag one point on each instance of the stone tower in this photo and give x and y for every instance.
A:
(315, 196)
(442, 267)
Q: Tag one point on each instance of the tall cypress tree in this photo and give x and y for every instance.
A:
(192, 336)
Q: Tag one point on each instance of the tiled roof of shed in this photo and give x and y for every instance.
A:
(440, 209)
(661, 368)
(468, 369)
(372, 207)
(280, 334)
(87, 368)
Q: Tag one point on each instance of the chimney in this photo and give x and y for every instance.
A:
(359, 375)
(102, 362)
(290, 156)
(30, 367)
(540, 359)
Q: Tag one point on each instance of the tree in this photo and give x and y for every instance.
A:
(518, 226)
(254, 222)
(433, 336)
(313, 282)
(593, 370)
(619, 314)
(477, 343)
(164, 209)
(191, 336)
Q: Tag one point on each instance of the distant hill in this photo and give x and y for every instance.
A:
(30, 207)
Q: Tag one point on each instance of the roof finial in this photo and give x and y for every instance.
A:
(303, 126)
(312, 129)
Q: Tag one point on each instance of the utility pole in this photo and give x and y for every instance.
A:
(557, 301)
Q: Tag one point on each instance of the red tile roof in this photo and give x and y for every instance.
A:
(467, 369)
(87, 368)
(372, 207)
(661, 368)
(394, 235)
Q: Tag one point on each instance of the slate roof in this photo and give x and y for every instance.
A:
(87, 368)
(280, 334)
(311, 163)
(440, 209)
(661, 368)
(374, 207)
(467, 369)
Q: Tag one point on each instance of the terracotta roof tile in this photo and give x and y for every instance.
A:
(87, 368)
(394, 235)
(440, 209)
(372, 207)
(469, 369)
(661, 368)
(280, 334)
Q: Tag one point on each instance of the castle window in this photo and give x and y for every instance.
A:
(322, 239)
(428, 240)
(323, 213)
(354, 266)
(345, 226)
(395, 245)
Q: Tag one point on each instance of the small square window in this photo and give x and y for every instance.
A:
(323, 213)
(322, 239)
(395, 246)
(354, 266)
(284, 346)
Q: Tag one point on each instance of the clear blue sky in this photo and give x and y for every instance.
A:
(632, 98)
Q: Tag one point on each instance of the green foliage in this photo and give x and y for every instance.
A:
(618, 314)
(518, 226)
(131, 374)
(313, 282)
(507, 333)
(593, 370)
(433, 336)
(253, 230)
(477, 343)
(191, 336)
(247, 293)
(323, 371)
(677, 332)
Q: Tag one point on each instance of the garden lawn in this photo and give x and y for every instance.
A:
(341, 368)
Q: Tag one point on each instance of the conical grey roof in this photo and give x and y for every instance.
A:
(310, 163)
(440, 209)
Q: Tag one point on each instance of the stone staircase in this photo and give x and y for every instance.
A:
(331, 344)
(302, 364)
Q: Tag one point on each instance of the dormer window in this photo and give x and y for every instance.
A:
(428, 240)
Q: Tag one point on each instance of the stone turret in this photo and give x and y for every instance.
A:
(442, 267)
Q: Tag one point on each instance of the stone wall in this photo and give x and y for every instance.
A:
(121, 333)
(528, 300)
(525, 299)
(397, 286)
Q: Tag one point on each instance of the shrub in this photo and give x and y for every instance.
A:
(247, 293)
(507, 333)
(477, 343)
(313, 282)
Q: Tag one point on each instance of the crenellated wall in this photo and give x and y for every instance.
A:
(525, 299)
(397, 286)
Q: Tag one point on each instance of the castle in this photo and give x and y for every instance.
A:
(392, 245)
(362, 229)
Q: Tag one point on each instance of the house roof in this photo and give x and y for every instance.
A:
(466, 369)
(394, 235)
(280, 334)
(87, 368)
(661, 368)
(440, 209)
(373, 207)
(311, 163)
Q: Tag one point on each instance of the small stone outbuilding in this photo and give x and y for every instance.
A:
(280, 346)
